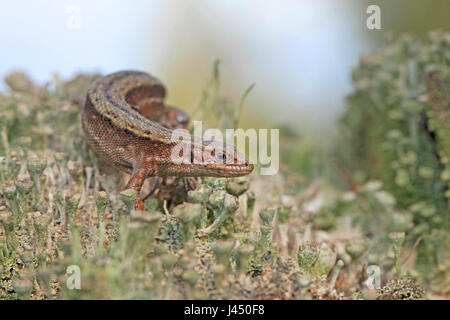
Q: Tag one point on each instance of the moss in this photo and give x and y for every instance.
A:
(208, 242)
(403, 288)
(397, 120)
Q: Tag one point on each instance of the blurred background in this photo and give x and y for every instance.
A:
(364, 139)
(297, 53)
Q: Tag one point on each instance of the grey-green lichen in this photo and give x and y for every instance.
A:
(398, 122)
(240, 238)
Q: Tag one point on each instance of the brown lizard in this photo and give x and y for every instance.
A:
(126, 123)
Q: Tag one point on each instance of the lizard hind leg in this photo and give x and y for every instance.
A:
(136, 181)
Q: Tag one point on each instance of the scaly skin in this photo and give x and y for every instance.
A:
(126, 123)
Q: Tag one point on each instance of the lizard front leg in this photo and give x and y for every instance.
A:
(190, 183)
(136, 181)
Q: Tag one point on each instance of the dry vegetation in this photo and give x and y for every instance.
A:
(290, 236)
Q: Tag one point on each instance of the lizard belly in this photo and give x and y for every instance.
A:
(116, 148)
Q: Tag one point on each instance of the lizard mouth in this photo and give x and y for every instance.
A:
(230, 170)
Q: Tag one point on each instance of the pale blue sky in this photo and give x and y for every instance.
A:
(298, 53)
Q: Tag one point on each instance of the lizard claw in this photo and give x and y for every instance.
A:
(139, 204)
(190, 183)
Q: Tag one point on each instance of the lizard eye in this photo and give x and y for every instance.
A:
(221, 156)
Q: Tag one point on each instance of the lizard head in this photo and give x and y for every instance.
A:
(209, 158)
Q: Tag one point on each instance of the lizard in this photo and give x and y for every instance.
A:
(126, 122)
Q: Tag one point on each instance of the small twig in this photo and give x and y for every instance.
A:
(345, 173)
(166, 212)
(155, 186)
(412, 250)
(241, 105)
